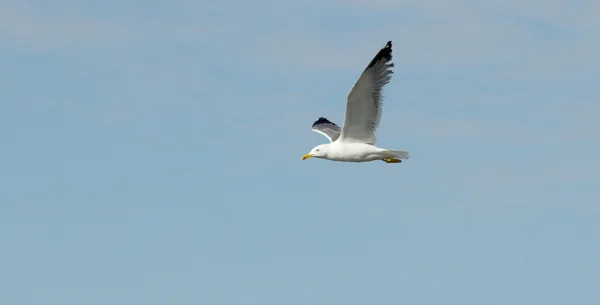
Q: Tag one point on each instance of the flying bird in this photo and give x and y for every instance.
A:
(356, 140)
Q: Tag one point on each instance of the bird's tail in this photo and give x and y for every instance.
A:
(400, 154)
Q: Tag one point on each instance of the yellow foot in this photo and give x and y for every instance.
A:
(392, 160)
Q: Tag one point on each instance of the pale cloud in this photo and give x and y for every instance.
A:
(539, 42)
(67, 28)
(28, 27)
(579, 16)
(570, 126)
(435, 35)
(564, 180)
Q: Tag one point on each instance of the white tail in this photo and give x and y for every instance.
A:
(400, 154)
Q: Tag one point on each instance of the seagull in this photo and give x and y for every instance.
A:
(356, 140)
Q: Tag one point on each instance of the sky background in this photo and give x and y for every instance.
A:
(150, 153)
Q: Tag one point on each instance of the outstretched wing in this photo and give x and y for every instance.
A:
(363, 108)
(327, 128)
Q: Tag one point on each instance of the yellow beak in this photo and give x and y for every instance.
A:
(306, 156)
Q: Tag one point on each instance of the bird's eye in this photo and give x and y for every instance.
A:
(317, 150)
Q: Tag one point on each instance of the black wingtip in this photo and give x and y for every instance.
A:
(384, 54)
(322, 120)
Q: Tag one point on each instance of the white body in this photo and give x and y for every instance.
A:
(355, 152)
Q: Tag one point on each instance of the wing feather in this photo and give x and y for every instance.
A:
(365, 99)
(327, 128)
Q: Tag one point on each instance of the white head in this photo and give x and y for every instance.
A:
(317, 152)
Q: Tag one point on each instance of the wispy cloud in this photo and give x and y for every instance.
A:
(66, 27)
(459, 35)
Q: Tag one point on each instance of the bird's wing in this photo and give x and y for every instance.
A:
(326, 128)
(363, 107)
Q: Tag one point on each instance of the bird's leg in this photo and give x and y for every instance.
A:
(392, 160)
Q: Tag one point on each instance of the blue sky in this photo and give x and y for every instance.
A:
(151, 153)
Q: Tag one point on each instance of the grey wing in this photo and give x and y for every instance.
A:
(363, 107)
(327, 128)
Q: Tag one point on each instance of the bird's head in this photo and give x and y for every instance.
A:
(317, 152)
